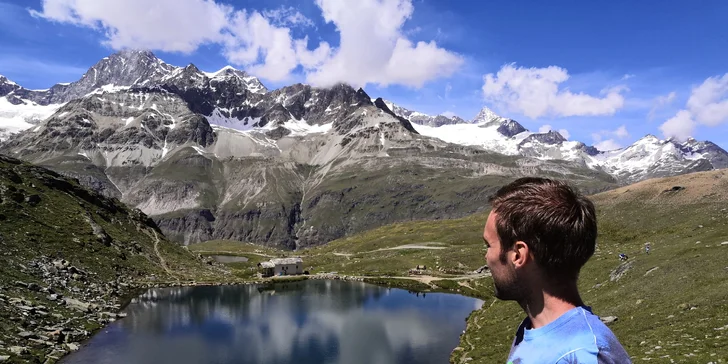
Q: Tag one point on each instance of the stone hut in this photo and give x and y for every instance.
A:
(281, 267)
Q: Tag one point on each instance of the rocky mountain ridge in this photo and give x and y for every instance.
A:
(216, 155)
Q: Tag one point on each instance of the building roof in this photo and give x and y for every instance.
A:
(266, 265)
(283, 261)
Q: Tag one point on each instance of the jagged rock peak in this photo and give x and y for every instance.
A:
(5, 80)
(485, 115)
(510, 127)
(7, 86)
(551, 138)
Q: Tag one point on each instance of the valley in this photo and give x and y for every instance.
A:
(137, 174)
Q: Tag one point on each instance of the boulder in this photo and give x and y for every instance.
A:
(77, 305)
(608, 319)
(28, 335)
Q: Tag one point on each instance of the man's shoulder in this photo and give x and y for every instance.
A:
(579, 337)
(607, 347)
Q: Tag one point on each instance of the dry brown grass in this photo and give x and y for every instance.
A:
(711, 186)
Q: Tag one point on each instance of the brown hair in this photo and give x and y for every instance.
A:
(558, 224)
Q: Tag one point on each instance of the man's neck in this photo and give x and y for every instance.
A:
(543, 307)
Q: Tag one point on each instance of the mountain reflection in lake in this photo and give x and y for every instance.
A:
(298, 322)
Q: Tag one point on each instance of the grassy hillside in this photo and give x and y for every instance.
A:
(69, 256)
(670, 304)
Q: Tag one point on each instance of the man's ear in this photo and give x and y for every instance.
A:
(521, 254)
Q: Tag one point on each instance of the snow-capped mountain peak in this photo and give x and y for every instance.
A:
(229, 73)
(417, 117)
(485, 116)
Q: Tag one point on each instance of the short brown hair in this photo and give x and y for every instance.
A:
(558, 224)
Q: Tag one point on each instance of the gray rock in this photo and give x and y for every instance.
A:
(608, 319)
(33, 287)
(28, 335)
(77, 305)
(620, 271)
(18, 350)
(72, 346)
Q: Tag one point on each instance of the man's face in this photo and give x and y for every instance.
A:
(503, 272)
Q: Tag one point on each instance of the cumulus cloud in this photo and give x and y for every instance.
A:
(709, 102)
(535, 92)
(565, 133)
(679, 126)
(608, 144)
(288, 16)
(607, 139)
(707, 105)
(544, 128)
(372, 49)
(166, 25)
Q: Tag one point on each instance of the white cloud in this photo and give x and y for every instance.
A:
(449, 114)
(546, 128)
(609, 144)
(166, 25)
(707, 105)
(266, 50)
(709, 101)
(607, 139)
(679, 126)
(660, 102)
(627, 76)
(373, 47)
(535, 92)
(288, 16)
(621, 132)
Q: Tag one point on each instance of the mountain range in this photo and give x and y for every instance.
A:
(216, 155)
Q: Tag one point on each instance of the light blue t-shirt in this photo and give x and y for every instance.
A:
(578, 336)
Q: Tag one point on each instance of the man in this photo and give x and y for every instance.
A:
(539, 234)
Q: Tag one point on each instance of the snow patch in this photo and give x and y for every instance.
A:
(199, 150)
(218, 118)
(301, 127)
(471, 134)
(16, 118)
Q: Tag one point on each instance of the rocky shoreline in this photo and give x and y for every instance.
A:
(55, 317)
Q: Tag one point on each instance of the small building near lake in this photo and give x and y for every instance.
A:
(281, 267)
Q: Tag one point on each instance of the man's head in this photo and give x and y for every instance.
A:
(541, 227)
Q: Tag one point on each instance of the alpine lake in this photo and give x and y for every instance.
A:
(311, 321)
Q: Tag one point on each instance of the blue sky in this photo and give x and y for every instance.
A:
(606, 72)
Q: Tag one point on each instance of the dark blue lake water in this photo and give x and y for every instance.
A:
(304, 322)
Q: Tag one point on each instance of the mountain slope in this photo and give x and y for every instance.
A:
(216, 155)
(669, 304)
(310, 153)
(648, 157)
(69, 256)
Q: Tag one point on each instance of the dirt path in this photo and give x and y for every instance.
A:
(416, 246)
(428, 279)
(159, 255)
(427, 245)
